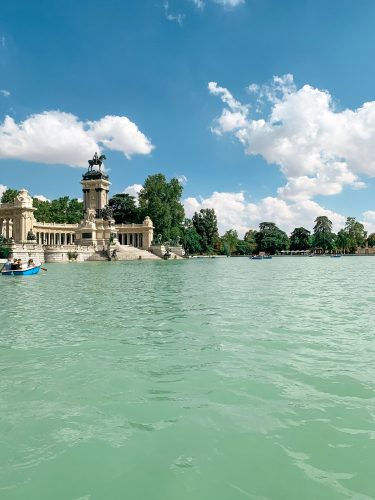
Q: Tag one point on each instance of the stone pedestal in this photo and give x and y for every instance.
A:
(96, 232)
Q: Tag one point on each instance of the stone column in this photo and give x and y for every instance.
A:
(148, 233)
(7, 234)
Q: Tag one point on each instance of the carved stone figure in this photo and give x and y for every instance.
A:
(90, 215)
(23, 199)
(105, 213)
(147, 221)
(31, 236)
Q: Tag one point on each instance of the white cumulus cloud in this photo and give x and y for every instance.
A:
(235, 212)
(369, 221)
(3, 188)
(58, 137)
(5, 92)
(133, 190)
(318, 148)
(41, 197)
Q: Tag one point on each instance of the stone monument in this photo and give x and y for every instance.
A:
(98, 226)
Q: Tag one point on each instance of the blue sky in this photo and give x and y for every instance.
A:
(281, 133)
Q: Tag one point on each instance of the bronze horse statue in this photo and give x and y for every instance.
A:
(97, 160)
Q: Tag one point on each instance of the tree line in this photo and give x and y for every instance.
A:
(160, 199)
(201, 236)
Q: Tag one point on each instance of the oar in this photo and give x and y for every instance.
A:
(43, 269)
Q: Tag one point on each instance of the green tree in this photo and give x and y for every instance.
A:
(323, 236)
(244, 248)
(161, 201)
(124, 208)
(342, 241)
(59, 210)
(43, 210)
(300, 239)
(9, 195)
(62, 210)
(74, 211)
(4, 249)
(271, 239)
(250, 239)
(356, 234)
(230, 241)
(205, 223)
(191, 241)
(371, 240)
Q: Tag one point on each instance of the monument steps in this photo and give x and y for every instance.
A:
(98, 256)
(127, 252)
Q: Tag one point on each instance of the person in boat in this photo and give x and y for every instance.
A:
(8, 264)
(30, 263)
(14, 265)
(20, 264)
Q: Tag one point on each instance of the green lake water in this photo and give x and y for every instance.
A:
(221, 379)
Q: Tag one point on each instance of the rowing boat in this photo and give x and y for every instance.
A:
(22, 272)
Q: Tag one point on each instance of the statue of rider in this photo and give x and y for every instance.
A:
(95, 159)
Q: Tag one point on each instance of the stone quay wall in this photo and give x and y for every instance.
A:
(26, 251)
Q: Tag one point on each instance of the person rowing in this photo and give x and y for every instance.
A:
(8, 265)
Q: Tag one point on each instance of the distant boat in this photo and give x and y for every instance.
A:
(267, 257)
(335, 256)
(256, 257)
(22, 272)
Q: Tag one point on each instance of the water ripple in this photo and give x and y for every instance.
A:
(213, 379)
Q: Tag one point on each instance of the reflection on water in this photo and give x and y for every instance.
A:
(206, 379)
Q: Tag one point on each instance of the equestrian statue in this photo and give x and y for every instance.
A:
(96, 160)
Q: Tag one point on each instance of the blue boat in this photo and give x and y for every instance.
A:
(256, 257)
(267, 257)
(22, 272)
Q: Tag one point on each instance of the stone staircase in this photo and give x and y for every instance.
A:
(98, 256)
(126, 252)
